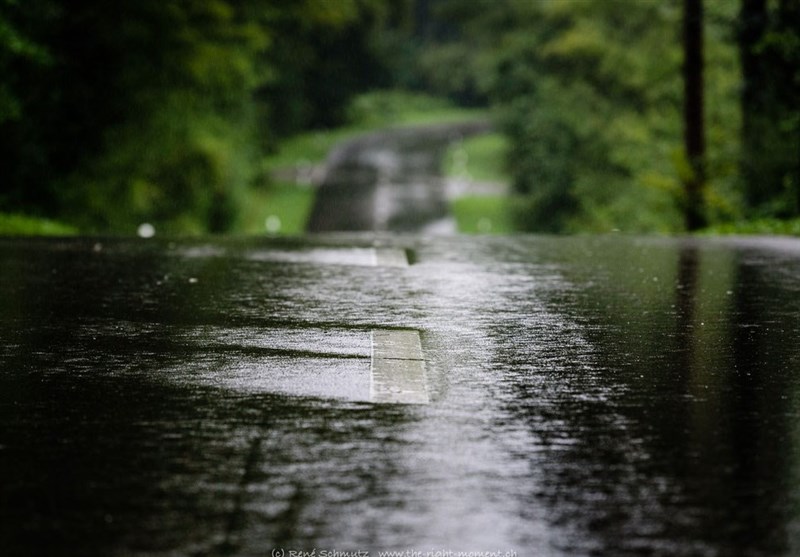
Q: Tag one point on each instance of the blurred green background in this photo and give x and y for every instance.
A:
(208, 116)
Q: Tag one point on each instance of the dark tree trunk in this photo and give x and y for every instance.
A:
(694, 129)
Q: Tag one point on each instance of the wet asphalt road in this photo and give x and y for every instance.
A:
(587, 396)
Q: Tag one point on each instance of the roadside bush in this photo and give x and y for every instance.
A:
(386, 107)
(183, 169)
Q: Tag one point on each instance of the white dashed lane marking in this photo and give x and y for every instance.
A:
(390, 257)
(397, 371)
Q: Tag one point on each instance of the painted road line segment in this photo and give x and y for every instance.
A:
(397, 370)
(390, 257)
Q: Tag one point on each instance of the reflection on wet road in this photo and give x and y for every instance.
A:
(588, 396)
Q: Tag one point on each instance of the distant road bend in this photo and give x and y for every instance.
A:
(389, 181)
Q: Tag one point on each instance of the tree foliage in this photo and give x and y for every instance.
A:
(112, 114)
(590, 95)
(769, 40)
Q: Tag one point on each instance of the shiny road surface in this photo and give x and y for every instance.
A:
(585, 396)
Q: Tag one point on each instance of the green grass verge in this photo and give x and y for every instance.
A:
(12, 224)
(308, 148)
(483, 214)
(479, 158)
(277, 209)
(789, 227)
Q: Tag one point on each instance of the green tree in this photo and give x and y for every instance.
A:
(160, 110)
(590, 97)
(24, 59)
(769, 42)
(322, 54)
(134, 115)
(16, 49)
(597, 116)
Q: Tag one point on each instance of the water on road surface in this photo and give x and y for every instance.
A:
(586, 396)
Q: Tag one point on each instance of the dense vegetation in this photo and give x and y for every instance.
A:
(114, 114)
(591, 97)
